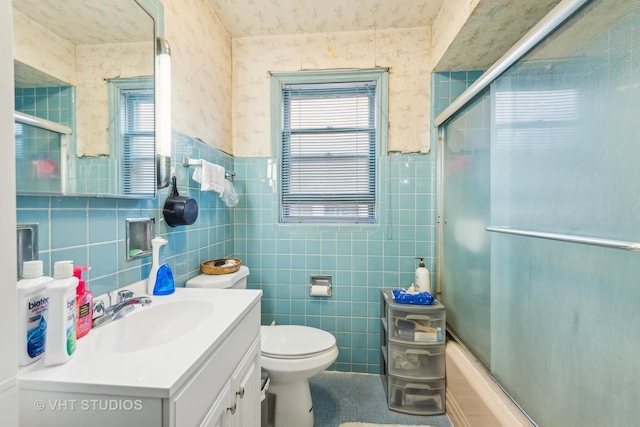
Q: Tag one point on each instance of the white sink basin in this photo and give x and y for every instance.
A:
(150, 326)
(152, 351)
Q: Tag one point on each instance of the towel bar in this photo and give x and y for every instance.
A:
(186, 161)
(594, 241)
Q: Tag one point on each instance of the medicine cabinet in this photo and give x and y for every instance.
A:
(85, 98)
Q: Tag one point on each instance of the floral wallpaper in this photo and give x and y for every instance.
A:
(41, 49)
(95, 64)
(405, 52)
(200, 72)
(252, 18)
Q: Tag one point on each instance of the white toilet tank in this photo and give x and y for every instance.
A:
(237, 280)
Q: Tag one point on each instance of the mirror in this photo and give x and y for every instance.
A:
(89, 66)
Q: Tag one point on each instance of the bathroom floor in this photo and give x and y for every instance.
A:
(340, 397)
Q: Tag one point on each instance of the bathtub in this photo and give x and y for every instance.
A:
(473, 397)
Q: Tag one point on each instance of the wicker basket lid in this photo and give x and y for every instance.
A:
(221, 266)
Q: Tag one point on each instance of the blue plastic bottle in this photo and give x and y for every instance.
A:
(160, 278)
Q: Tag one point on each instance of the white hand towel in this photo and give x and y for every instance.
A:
(209, 176)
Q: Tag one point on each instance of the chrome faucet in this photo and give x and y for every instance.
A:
(125, 304)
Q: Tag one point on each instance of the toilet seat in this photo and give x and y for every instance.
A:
(295, 341)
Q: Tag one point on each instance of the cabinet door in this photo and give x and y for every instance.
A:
(219, 414)
(246, 388)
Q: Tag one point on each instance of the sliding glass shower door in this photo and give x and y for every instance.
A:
(465, 265)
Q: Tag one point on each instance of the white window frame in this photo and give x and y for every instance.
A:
(380, 76)
(117, 88)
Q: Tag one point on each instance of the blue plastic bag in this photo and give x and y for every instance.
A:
(403, 297)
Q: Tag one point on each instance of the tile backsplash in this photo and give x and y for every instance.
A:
(91, 231)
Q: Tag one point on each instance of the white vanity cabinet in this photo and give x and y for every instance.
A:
(238, 404)
(219, 413)
(246, 388)
(232, 366)
(211, 377)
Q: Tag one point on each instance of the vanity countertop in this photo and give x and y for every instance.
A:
(155, 372)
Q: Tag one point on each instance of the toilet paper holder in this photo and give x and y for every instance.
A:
(319, 285)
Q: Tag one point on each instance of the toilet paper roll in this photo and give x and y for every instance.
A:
(320, 290)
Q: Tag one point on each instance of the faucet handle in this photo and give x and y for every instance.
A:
(124, 295)
(98, 309)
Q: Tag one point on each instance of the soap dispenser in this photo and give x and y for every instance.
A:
(160, 278)
(84, 303)
(422, 280)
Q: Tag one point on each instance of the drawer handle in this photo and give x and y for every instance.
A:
(240, 392)
(418, 352)
(413, 325)
(421, 317)
(232, 408)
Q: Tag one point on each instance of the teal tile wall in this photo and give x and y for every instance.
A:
(51, 103)
(96, 175)
(361, 259)
(448, 85)
(91, 231)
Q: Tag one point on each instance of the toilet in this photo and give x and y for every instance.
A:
(291, 354)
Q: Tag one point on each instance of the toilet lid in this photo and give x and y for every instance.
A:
(293, 341)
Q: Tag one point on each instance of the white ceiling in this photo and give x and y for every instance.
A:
(247, 18)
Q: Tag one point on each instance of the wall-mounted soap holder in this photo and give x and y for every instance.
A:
(138, 239)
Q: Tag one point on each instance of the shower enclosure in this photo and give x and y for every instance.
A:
(539, 219)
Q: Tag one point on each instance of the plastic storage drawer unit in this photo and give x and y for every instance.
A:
(416, 362)
(412, 363)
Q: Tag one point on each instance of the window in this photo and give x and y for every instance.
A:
(135, 130)
(330, 136)
(529, 118)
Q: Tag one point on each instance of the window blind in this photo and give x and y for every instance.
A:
(137, 125)
(329, 152)
(538, 117)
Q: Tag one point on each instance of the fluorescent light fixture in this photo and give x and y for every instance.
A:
(163, 111)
